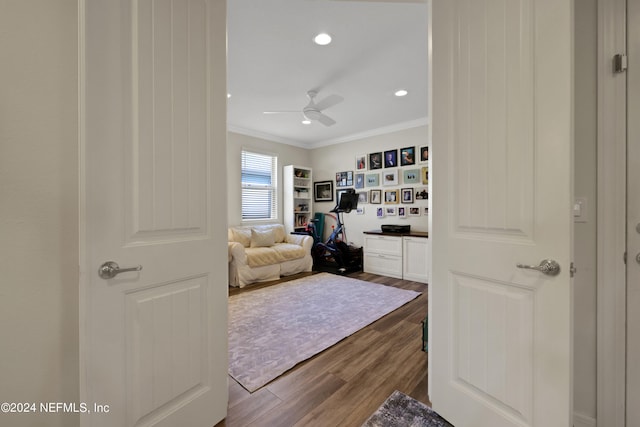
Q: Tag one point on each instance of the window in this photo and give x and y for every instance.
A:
(259, 195)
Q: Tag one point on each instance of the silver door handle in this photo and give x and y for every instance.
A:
(546, 266)
(111, 269)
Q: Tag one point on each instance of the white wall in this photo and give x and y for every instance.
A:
(38, 208)
(585, 232)
(287, 155)
(326, 161)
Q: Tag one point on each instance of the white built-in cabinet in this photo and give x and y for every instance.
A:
(298, 197)
(402, 256)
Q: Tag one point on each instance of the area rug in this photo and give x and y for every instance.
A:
(274, 328)
(400, 410)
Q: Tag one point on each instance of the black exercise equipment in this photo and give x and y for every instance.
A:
(335, 254)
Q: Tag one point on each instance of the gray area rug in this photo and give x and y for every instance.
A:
(274, 328)
(400, 410)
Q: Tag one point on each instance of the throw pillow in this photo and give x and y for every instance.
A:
(242, 235)
(262, 238)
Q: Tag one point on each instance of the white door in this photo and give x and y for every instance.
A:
(154, 342)
(502, 190)
(633, 213)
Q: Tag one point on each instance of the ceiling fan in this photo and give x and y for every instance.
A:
(314, 111)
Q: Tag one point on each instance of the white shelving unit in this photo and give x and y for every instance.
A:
(298, 197)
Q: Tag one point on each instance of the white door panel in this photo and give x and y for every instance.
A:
(502, 170)
(633, 213)
(155, 136)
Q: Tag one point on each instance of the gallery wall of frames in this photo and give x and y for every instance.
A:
(395, 194)
(391, 183)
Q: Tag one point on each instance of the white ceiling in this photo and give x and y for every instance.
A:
(378, 48)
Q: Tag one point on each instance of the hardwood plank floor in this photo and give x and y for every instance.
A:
(345, 384)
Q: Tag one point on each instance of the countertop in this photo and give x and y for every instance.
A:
(409, 234)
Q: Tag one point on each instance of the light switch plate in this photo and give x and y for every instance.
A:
(580, 210)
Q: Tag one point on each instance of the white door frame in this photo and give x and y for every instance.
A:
(611, 194)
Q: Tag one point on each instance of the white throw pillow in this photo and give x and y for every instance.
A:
(262, 238)
(242, 235)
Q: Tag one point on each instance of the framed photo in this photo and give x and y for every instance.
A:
(359, 180)
(422, 193)
(425, 210)
(406, 195)
(391, 197)
(375, 197)
(323, 191)
(372, 180)
(411, 176)
(424, 154)
(414, 211)
(390, 211)
(344, 179)
(425, 175)
(390, 177)
(375, 161)
(407, 156)
(402, 212)
(361, 162)
(379, 212)
(391, 158)
(363, 197)
(359, 211)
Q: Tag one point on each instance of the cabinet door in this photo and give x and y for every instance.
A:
(415, 255)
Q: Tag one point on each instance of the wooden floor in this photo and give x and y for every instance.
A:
(346, 383)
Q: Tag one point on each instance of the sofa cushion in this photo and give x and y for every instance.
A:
(262, 238)
(280, 252)
(289, 251)
(240, 235)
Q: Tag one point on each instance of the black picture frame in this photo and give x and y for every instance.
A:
(323, 191)
(391, 158)
(344, 179)
(375, 160)
(407, 156)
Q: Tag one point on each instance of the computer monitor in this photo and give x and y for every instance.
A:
(348, 201)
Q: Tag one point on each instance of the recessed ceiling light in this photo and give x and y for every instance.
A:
(228, 95)
(322, 39)
(401, 92)
(306, 122)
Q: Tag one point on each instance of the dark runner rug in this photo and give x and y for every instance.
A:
(400, 410)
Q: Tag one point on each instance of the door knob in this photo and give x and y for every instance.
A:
(111, 269)
(546, 266)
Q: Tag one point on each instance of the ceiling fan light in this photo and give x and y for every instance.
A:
(401, 92)
(322, 39)
(306, 122)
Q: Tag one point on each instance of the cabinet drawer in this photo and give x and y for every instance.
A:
(385, 265)
(387, 245)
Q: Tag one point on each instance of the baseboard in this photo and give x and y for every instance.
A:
(582, 420)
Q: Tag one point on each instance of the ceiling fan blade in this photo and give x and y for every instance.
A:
(329, 102)
(325, 120)
(280, 112)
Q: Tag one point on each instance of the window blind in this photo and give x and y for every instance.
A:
(259, 195)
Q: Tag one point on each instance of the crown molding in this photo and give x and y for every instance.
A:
(353, 137)
(372, 132)
(265, 136)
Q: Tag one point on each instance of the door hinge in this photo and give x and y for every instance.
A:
(620, 63)
(572, 270)
(624, 258)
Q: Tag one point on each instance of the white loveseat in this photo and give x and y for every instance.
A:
(265, 252)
